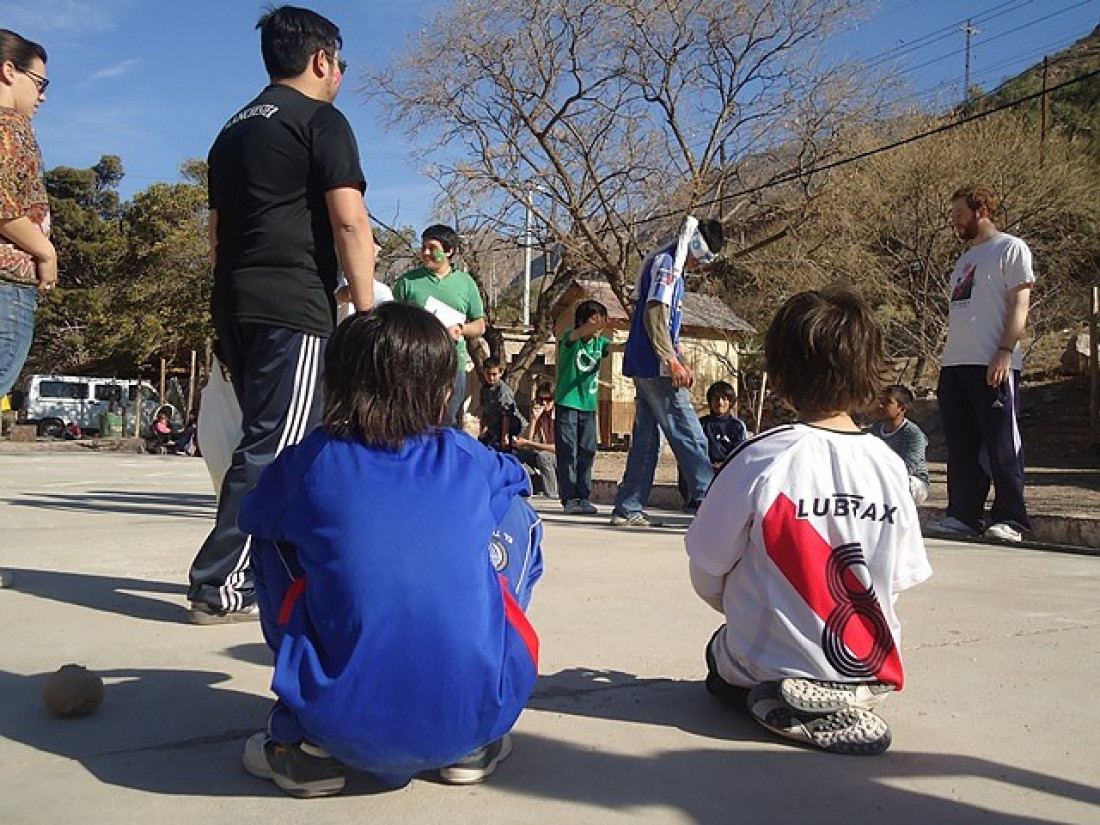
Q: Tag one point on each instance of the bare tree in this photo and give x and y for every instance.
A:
(882, 224)
(615, 117)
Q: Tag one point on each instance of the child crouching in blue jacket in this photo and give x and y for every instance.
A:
(393, 561)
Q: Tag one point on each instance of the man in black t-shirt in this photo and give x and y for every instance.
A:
(286, 212)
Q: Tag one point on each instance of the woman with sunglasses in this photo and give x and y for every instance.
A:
(28, 261)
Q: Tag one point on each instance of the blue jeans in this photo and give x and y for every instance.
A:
(661, 408)
(17, 305)
(575, 447)
(455, 417)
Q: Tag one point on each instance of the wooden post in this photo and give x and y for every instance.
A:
(163, 377)
(760, 401)
(1094, 366)
(191, 386)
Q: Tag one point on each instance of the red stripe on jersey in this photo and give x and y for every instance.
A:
(518, 620)
(803, 557)
(293, 593)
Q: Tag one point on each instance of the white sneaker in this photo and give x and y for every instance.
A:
(950, 528)
(1003, 532)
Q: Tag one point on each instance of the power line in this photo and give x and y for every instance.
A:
(878, 150)
(955, 52)
(793, 176)
(1019, 58)
(948, 31)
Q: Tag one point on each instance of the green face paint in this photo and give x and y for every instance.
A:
(439, 255)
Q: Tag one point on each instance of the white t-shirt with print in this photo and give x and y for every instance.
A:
(981, 284)
(806, 537)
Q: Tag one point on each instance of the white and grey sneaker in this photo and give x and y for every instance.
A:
(634, 520)
(301, 770)
(812, 696)
(950, 528)
(586, 507)
(202, 613)
(852, 732)
(1003, 532)
(479, 765)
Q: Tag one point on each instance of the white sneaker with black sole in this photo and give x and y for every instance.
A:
(817, 697)
(851, 732)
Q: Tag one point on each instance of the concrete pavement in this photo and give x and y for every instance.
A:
(998, 722)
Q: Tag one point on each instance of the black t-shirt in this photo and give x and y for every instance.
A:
(270, 168)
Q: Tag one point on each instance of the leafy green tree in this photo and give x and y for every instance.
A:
(87, 232)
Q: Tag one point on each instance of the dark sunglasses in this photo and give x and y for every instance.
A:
(39, 81)
(545, 399)
(341, 64)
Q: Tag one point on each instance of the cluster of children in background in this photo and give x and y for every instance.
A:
(564, 424)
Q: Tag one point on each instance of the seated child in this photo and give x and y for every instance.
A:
(536, 448)
(393, 559)
(805, 539)
(904, 437)
(501, 420)
(724, 430)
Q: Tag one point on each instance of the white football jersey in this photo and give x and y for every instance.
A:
(809, 535)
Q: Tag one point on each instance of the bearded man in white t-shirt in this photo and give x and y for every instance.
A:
(980, 376)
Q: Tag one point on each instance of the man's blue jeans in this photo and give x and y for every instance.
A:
(661, 408)
(17, 305)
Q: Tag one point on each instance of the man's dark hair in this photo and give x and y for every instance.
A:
(490, 362)
(587, 309)
(389, 373)
(19, 50)
(544, 388)
(903, 395)
(290, 36)
(825, 353)
(446, 236)
(711, 230)
(721, 389)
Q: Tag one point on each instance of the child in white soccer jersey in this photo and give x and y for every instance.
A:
(805, 539)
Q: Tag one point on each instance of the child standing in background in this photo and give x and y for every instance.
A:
(580, 351)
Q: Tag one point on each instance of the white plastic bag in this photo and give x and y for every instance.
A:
(219, 426)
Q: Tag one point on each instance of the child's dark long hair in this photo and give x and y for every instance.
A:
(388, 375)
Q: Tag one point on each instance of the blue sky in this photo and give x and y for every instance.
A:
(153, 80)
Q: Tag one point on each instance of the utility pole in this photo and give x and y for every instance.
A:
(1044, 118)
(969, 30)
(527, 261)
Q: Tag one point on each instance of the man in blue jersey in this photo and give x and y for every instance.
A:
(662, 402)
